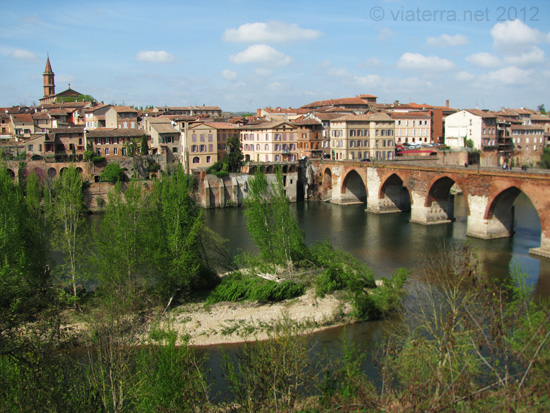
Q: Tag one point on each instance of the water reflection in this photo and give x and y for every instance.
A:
(389, 241)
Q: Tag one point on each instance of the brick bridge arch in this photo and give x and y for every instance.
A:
(48, 170)
(489, 194)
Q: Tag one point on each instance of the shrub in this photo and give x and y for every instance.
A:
(113, 173)
(241, 287)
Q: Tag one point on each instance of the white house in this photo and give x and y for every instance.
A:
(471, 124)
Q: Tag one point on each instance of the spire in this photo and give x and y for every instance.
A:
(48, 77)
(48, 68)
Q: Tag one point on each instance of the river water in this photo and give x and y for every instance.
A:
(387, 242)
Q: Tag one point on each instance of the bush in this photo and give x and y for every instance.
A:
(113, 173)
(241, 287)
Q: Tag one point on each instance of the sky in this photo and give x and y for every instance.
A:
(243, 55)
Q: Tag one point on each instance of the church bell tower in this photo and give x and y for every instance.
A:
(48, 76)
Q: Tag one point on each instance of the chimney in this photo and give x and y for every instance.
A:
(447, 103)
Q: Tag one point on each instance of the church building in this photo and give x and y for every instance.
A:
(49, 87)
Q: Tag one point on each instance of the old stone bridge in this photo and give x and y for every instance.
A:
(428, 192)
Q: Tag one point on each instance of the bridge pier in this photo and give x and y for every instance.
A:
(499, 224)
(385, 205)
(438, 212)
(544, 249)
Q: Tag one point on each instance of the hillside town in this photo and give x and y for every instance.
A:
(64, 125)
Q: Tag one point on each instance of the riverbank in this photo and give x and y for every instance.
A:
(233, 322)
(225, 323)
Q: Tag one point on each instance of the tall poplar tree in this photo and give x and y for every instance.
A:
(122, 258)
(24, 271)
(270, 223)
(68, 223)
(180, 225)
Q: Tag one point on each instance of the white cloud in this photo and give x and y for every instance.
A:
(20, 54)
(416, 61)
(229, 74)
(368, 81)
(338, 72)
(465, 76)
(263, 72)
(154, 56)
(275, 86)
(484, 59)
(515, 36)
(531, 57)
(509, 76)
(269, 32)
(261, 53)
(447, 40)
(385, 34)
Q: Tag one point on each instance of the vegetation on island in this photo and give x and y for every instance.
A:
(471, 344)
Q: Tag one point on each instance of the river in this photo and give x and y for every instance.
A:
(387, 242)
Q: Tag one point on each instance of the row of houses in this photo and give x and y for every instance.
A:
(341, 129)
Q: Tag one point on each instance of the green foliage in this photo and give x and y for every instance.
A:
(68, 224)
(344, 383)
(132, 148)
(545, 158)
(171, 376)
(144, 149)
(122, 254)
(179, 256)
(243, 287)
(24, 272)
(341, 271)
(98, 159)
(113, 173)
(79, 98)
(234, 158)
(271, 375)
(271, 225)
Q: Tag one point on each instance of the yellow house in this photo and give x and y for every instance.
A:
(367, 136)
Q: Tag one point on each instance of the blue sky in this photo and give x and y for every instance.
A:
(241, 55)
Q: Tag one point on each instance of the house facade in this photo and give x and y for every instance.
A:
(122, 117)
(367, 136)
(270, 142)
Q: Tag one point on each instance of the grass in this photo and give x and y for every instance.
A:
(243, 287)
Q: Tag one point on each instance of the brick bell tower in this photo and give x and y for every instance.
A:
(48, 76)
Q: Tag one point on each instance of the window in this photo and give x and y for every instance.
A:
(210, 149)
(115, 151)
(106, 151)
(209, 137)
(194, 138)
(98, 152)
(202, 137)
(196, 159)
(208, 159)
(123, 151)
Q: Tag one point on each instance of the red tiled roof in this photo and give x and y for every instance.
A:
(336, 102)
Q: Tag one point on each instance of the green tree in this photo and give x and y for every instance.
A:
(541, 109)
(123, 259)
(132, 148)
(24, 272)
(271, 225)
(68, 219)
(545, 159)
(234, 157)
(180, 225)
(113, 173)
(144, 147)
